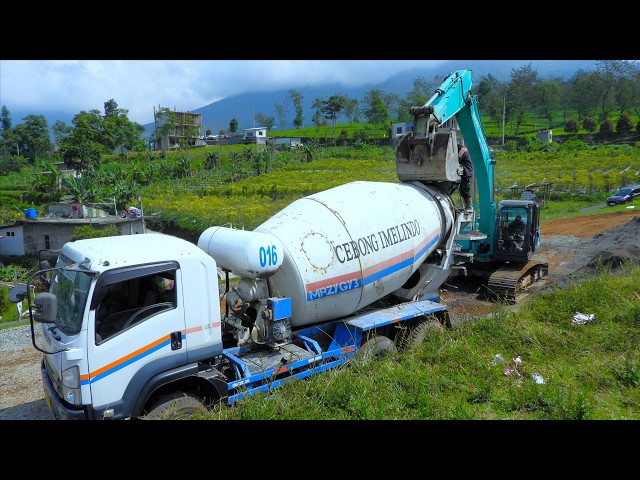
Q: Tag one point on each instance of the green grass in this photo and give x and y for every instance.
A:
(590, 371)
(580, 177)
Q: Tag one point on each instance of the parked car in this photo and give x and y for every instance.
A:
(624, 195)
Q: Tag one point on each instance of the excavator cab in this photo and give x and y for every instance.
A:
(517, 233)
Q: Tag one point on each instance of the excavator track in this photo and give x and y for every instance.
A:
(512, 279)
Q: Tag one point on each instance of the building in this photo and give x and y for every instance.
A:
(175, 127)
(399, 129)
(290, 142)
(545, 136)
(257, 135)
(29, 236)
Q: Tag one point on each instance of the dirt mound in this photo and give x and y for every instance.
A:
(574, 248)
(616, 246)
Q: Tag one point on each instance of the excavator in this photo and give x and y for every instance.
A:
(496, 242)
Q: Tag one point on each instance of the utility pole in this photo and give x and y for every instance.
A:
(504, 109)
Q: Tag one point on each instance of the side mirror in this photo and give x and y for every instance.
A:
(18, 293)
(46, 308)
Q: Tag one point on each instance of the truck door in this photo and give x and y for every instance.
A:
(136, 327)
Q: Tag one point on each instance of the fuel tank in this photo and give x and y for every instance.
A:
(346, 247)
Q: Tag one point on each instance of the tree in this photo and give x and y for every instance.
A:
(296, 98)
(81, 190)
(82, 149)
(318, 118)
(6, 133)
(233, 126)
(351, 109)
(111, 108)
(547, 99)
(33, 136)
(624, 124)
(375, 110)
(422, 90)
(47, 183)
(624, 94)
(330, 108)
(491, 97)
(281, 110)
(120, 133)
(520, 93)
(265, 121)
(583, 96)
(606, 77)
(60, 130)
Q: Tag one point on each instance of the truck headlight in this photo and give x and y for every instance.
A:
(71, 385)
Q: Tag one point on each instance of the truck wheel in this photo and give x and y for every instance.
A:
(376, 347)
(175, 407)
(416, 333)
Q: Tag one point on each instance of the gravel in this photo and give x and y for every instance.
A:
(15, 338)
(21, 394)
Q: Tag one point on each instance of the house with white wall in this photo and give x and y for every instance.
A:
(257, 135)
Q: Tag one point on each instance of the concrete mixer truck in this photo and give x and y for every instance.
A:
(141, 326)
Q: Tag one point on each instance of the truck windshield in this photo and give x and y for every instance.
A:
(70, 288)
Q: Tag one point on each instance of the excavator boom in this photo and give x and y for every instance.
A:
(429, 154)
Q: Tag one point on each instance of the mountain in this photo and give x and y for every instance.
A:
(217, 115)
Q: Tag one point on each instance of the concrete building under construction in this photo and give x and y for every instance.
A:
(173, 128)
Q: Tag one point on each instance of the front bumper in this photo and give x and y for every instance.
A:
(60, 409)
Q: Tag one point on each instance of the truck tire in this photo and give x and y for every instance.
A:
(175, 407)
(416, 333)
(375, 347)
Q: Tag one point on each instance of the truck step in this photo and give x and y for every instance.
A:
(471, 235)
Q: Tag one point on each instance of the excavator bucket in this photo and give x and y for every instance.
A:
(433, 158)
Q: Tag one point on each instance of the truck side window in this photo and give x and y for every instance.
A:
(130, 302)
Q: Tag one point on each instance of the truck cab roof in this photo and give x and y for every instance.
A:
(126, 250)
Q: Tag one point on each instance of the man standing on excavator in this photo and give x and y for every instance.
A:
(467, 176)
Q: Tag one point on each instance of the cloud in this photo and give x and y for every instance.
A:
(70, 86)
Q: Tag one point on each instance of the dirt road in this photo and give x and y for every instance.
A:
(568, 244)
(584, 227)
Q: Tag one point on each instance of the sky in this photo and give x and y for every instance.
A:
(71, 86)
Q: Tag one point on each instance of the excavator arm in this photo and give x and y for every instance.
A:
(429, 154)
(453, 99)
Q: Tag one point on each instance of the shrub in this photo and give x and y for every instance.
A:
(573, 144)
(589, 124)
(87, 231)
(624, 124)
(606, 126)
(11, 163)
(571, 126)
(4, 302)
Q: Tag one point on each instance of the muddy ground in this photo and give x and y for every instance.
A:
(572, 247)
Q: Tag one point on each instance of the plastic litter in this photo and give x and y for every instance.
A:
(582, 318)
(538, 378)
(497, 359)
